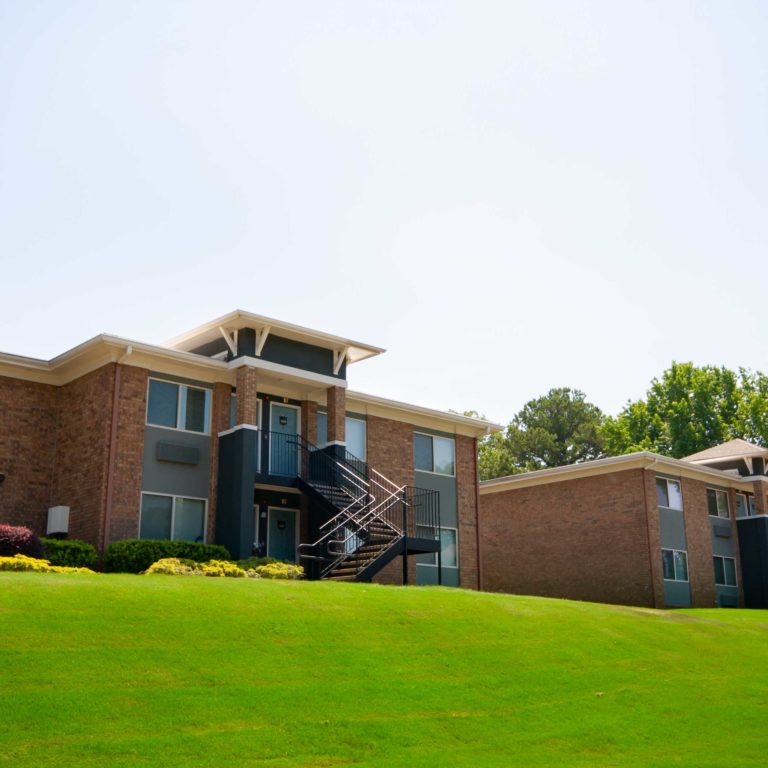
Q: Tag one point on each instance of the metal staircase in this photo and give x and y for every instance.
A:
(370, 519)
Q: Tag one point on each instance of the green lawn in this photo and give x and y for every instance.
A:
(170, 671)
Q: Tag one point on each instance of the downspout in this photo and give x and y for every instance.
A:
(477, 517)
(650, 466)
(113, 448)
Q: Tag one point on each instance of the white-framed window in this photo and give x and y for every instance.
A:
(717, 503)
(668, 493)
(745, 505)
(355, 431)
(179, 518)
(674, 564)
(448, 545)
(432, 453)
(725, 571)
(178, 406)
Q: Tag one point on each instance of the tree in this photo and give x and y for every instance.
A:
(690, 409)
(557, 429)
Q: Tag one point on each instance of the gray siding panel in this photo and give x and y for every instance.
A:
(672, 528)
(446, 486)
(427, 575)
(677, 594)
(180, 479)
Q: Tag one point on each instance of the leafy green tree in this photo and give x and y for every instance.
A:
(690, 409)
(557, 429)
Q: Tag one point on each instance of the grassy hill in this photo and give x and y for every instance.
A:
(163, 671)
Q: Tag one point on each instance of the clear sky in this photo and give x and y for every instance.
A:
(508, 196)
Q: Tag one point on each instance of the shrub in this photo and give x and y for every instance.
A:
(137, 555)
(174, 566)
(71, 552)
(253, 562)
(24, 563)
(280, 571)
(16, 540)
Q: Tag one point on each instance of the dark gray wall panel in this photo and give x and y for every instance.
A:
(753, 548)
(235, 524)
(723, 545)
(180, 479)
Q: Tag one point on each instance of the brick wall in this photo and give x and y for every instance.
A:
(82, 452)
(127, 463)
(246, 404)
(390, 451)
(466, 499)
(698, 539)
(27, 444)
(653, 533)
(336, 398)
(582, 539)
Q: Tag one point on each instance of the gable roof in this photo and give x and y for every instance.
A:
(733, 449)
(235, 321)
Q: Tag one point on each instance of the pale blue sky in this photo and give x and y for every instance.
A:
(508, 196)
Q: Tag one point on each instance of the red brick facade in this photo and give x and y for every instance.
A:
(698, 537)
(82, 445)
(582, 539)
(336, 404)
(28, 414)
(466, 488)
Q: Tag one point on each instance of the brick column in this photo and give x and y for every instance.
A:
(309, 421)
(653, 535)
(246, 404)
(698, 538)
(337, 407)
(759, 490)
(466, 498)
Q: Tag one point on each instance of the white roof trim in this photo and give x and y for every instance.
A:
(238, 319)
(639, 460)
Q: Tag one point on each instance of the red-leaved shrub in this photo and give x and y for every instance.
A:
(16, 540)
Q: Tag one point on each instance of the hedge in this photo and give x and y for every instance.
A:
(136, 555)
(69, 552)
(16, 540)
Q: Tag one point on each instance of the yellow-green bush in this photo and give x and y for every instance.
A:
(174, 566)
(280, 571)
(24, 563)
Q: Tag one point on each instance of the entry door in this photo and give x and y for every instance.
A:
(283, 448)
(281, 534)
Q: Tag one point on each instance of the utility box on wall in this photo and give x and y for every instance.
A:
(58, 520)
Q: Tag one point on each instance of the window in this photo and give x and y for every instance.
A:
(450, 554)
(172, 517)
(178, 406)
(674, 563)
(668, 493)
(725, 571)
(434, 454)
(745, 505)
(717, 503)
(355, 430)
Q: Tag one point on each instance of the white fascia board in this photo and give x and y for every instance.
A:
(478, 426)
(639, 460)
(101, 350)
(288, 372)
